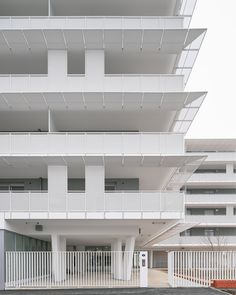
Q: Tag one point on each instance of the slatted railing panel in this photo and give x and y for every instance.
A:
(200, 268)
(72, 269)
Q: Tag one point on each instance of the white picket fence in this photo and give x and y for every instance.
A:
(75, 269)
(200, 268)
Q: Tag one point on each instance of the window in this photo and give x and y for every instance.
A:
(186, 233)
(12, 187)
(206, 211)
(209, 232)
(110, 186)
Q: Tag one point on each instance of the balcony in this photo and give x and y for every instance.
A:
(212, 179)
(203, 241)
(79, 83)
(91, 143)
(91, 22)
(210, 199)
(210, 220)
(116, 205)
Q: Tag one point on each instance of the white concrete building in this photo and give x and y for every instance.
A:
(93, 115)
(210, 202)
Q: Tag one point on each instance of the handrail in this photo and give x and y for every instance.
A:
(106, 192)
(106, 75)
(94, 17)
(90, 133)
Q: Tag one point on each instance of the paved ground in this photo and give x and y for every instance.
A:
(146, 291)
(157, 278)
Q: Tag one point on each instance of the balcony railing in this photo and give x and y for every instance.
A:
(212, 178)
(203, 241)
(210, 219)
(210, 199)
(92, 22)
(165, 204)
(80, 83)
(91, 143)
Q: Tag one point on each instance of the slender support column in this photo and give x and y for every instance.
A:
(94, 187)
(50, 8)
(118, 267)
(58, 257)
(150, 258)
(128, 257)
(51, 122)
(57, 187)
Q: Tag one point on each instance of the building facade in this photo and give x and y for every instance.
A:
(210, 203)
(93, 115)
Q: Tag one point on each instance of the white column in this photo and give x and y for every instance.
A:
(94, 187)
(94, 68)
(150, 258)
(118, 265)
(51, 122)
(229, 210)
(128, 257)
(58, 257)
(50, 8)
(230, 168)
(57, 68)
(57, 187)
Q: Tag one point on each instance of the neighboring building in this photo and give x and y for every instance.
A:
(93, 115)
(210, 202)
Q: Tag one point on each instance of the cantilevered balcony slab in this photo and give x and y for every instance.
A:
(156, 171)
(144, 111)
(182, 45)
(98, 36)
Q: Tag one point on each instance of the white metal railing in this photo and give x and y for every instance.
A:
(212, 177)
(75, 269)
(81, 83)
(92, 22)
(210, 199)
(200, 268)
(91, 143)
(126, 201)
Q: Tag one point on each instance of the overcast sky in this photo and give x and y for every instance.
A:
(215, 70)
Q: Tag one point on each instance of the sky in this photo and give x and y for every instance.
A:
(215, 70)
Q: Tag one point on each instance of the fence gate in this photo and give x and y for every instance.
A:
(200, 268)
(75, 269)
